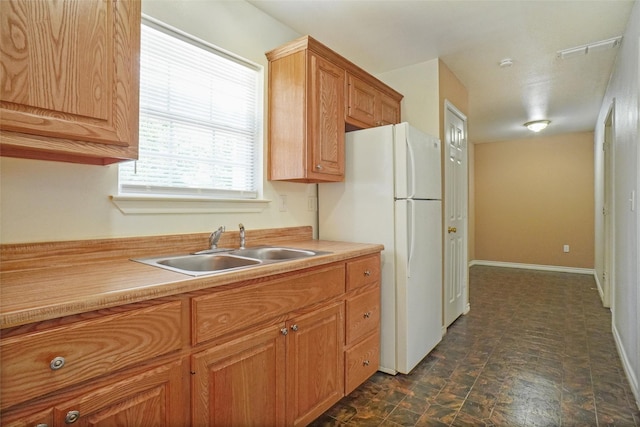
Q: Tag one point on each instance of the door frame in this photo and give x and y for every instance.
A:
(450, 108)
(608, 270)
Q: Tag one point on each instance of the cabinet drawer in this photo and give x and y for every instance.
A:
(361, 361)
(363, 314)
(223, 312)
(363, 271)
(86, 349)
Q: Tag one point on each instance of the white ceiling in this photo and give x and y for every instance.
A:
(471, 37)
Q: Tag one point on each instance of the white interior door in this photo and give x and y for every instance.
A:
(455, 225)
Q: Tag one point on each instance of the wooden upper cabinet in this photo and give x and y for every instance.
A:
(368, 106)
(70, 80)
(309, 110)
(325, 114)
(389, 110)
(306, 115)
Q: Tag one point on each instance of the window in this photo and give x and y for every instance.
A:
(200, 120)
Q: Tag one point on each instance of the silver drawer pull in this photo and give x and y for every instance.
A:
(367, 315)
(72, 417)
(284, 331)
(57, 363)
(367, 273)
(365, 363)
(294, 328)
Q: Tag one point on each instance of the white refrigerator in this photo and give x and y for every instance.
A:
(392, 195)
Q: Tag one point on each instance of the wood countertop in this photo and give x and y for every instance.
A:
(75, 277)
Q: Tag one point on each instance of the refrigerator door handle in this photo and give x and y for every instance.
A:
(410, 236)
(412, 170)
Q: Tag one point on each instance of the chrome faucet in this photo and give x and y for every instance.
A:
(242, 239)
(215, 236)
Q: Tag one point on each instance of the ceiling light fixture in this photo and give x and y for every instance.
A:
(588, 48)
(537, 125)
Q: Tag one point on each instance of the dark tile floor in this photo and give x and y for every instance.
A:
(536, 349)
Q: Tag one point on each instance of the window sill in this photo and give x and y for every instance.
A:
(141, 205)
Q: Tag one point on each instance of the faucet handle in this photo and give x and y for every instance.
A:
(242, 238)
(215, 236)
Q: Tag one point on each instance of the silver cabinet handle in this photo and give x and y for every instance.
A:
(57, 363)
(42, 425)
(367, 315)
(284, 331)
(367, 273)
(72, 417)
(365, 363)
(319, 167)
(294, 328)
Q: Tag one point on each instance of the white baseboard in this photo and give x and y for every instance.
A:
(557, 268)
(631, 376)
(599, 286)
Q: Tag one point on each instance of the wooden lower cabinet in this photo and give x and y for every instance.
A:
(151, 398)
(38, 419)
(315, 365)
(242, 382)
(284, 374)
(267, 352)
(362, 324)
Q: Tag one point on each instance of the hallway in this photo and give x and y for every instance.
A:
(536, 349)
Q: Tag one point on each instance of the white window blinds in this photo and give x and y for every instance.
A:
(199, 120)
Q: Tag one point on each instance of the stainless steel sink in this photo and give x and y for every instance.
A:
(202, 263)
(198, 265)
(274, 253)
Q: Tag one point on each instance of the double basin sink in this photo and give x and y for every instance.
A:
(221, 260)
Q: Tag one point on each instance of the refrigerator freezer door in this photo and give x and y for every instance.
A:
(418, 281)
(417, 164)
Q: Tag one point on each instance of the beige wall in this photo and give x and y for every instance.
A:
(419, 85)
(452, 90)
(48, 201)
(532, 196)
(623, 92)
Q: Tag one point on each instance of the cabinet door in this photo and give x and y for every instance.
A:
(40, 419)
(241, 383)
(315, 364)
(70, 75)
(153, 398)
(389, 111)
(362, 101)
(326, 120)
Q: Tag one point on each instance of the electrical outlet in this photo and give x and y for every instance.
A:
(312, 204)
(283, 203)
(565, 248)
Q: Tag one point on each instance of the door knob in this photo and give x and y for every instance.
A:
(452, 230)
